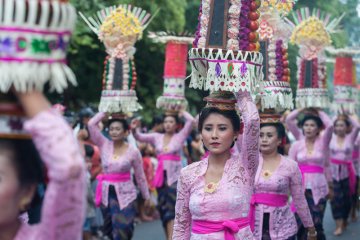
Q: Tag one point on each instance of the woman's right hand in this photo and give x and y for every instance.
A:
(135, 123)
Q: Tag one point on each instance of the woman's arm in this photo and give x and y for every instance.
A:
(355, 129)
(250, 137)
(291, 123)
(64, 203)
(137, 164)
(95, 133)
(186, 130)
(182, 223)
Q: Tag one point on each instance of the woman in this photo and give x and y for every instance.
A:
(311, 153)
(116, 191)
(355, 197)
(168, 147)
(342, 168)
(64, 204)
(276, 178)
(214, 194)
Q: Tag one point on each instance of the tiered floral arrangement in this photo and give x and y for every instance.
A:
(119, 28)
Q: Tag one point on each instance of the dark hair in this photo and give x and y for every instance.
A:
(347, 122)
(176, 117)
(229, 114)
(89, 151)
(27, 163)
(316, 119)
(281, 133)
(122, 121)
(156, 121)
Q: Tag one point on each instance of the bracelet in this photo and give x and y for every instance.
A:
(314, 234)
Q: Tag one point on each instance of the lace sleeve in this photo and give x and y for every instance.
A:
(95, 134)
(146, 137)
(186, 130)
(250, 137)
(182, 212)
(297, 193)
(355, 129)
(140, 175)
(64, 204)
(292, 124)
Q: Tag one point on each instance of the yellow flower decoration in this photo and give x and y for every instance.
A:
(312, 29)
(283, 6)
(121, 22)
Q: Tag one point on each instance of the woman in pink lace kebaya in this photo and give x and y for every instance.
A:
(346, 130)
(116, 191)
(277, 178)
(213, 195)
(311, 153)
(63, 208)
(168, 147)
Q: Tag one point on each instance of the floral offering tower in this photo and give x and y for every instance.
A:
(225, 54)
(119, 28)
(176, 50)
(275, 91)
(311, 32)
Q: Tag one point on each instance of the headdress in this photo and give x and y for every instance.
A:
(176, 50)
(34, 36)
(269, 116)
(275, 91)
(311, 31)
(119, 28)
(345, 91)
(225, 53)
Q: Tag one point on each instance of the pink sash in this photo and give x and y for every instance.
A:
(110, 177)
(230, 227)
(269, 199)
(351, 170)
(158, 180)
(307, 168)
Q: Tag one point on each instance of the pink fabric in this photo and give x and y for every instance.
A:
(130, 160)
(112, 178)
(355, 154)
(63, 210)
(351, 170)
(229, 227)
(316, 182)
(291, 124)
(307, 168)
(269, 199)
(343, 153)
(231, 200)
(286, 180)
(174, 147)
(159, 175)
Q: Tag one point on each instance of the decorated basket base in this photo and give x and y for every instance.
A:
(312, 97)
(276, 95)
(117, 101)
(225, 70)
(345, 99)
(171, 103)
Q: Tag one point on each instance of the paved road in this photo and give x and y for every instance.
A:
(154, 231)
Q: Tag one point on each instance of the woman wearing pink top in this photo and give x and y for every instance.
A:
(342, 168)
(213, 200)
(168, 147)
(311, 153)
(115, 190)
(277, 178)
(63, 208)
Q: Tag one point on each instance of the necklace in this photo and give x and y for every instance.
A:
(211, 187)
(266, 173)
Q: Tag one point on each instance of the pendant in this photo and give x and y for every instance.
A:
(210, 187)
(266, 173)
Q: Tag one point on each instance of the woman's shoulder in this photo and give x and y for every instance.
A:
(288, 162)
(193, 170)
